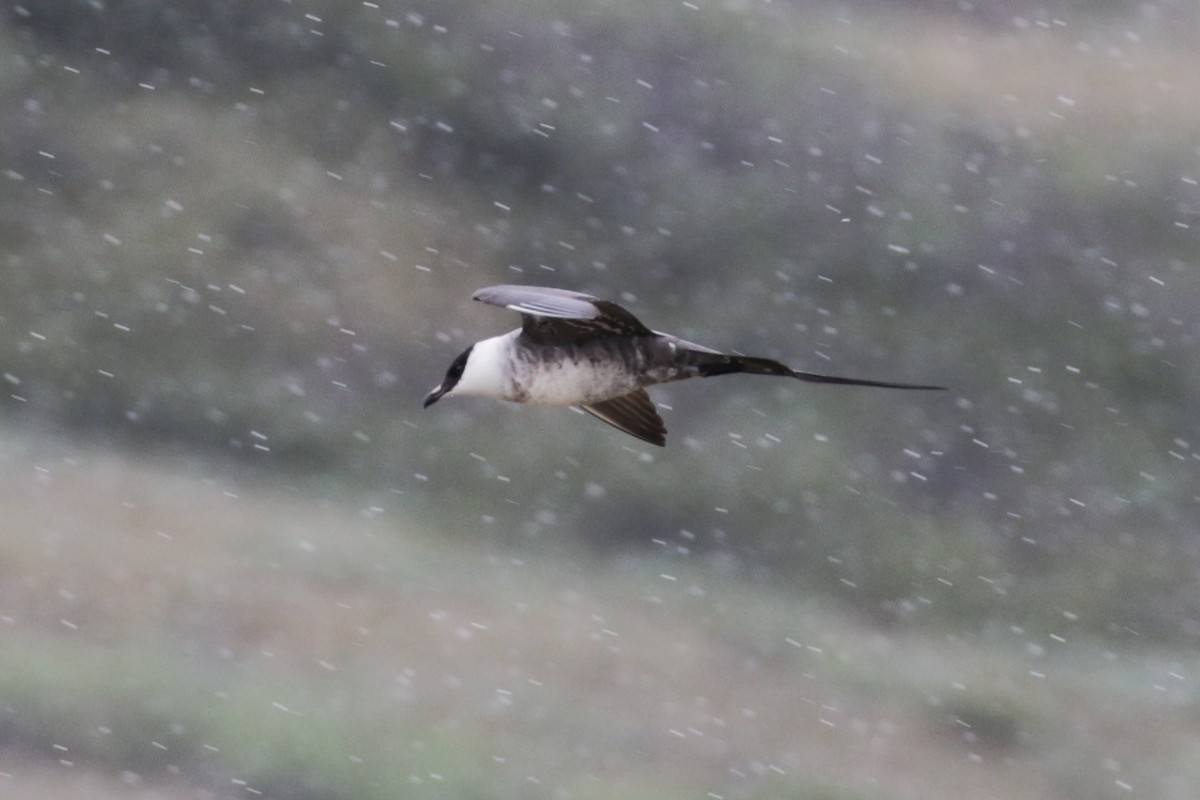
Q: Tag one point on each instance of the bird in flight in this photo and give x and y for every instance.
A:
(573, 349)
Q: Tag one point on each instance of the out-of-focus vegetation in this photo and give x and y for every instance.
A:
(192, 634)
(254, 229)
(249, 232)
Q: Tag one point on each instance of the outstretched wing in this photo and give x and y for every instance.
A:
(633, 413)
(558, 316)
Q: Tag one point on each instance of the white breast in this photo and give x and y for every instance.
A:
(571, 383)
(501, 368)
(486, 370)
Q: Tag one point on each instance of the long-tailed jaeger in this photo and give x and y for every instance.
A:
(573, 349)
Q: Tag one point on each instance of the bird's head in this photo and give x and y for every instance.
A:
(453, 376)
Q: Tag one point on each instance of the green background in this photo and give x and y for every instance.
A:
(239, 242)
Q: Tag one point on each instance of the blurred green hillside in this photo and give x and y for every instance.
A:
(238, 245)
(171, 630)
(253, 230)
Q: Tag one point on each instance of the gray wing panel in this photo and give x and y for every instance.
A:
(557, 316)
(540, 301)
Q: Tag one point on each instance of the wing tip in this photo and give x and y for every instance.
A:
(658, 438)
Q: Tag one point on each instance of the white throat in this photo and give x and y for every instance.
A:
(486, 373)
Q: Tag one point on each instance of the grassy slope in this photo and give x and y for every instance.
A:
(175, 628)
(254, 332)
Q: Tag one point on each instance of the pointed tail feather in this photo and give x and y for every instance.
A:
(813, 377)
(726, 365)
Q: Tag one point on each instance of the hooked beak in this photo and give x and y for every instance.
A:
(433, 396)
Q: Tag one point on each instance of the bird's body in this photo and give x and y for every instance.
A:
(575, 374)
(576, 350)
